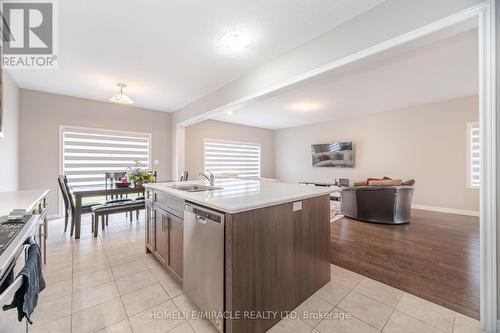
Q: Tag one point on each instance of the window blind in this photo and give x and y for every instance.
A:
(230, 158)
(474, 155)
(87, 154)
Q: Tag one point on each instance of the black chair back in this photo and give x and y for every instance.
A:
(69, 196)
(62, 187)
(111, 177)
(184, 176)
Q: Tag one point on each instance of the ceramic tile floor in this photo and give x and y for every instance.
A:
(109, 284)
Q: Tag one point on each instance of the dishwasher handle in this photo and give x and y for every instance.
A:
(201, 219)
(204, 215)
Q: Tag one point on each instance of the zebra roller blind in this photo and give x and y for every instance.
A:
(232, 158)
(88, 153)
(474, 159)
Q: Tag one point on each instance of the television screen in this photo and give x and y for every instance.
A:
(333, 155)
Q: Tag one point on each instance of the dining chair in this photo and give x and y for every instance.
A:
(67, 208)
(184, 176)
(111, 178)
(86, 208)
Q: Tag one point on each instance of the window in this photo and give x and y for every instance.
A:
(228, 157)
(88, 153)
(474, 156)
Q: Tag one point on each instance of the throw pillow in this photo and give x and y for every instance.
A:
(371, 179)
(409, 182)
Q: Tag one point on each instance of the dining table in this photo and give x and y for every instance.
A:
(80, 192)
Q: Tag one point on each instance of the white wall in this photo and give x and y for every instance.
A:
(9, 143)
(43, 113)
(211, 129)
(427, 143)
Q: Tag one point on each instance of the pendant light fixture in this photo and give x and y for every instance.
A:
(120, 97)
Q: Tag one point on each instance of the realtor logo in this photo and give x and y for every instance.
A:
(29, 34)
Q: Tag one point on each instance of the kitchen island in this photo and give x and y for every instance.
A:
(246, 251)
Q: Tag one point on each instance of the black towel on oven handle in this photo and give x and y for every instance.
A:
(26, 298)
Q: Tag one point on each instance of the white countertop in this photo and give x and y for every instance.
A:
(238, 195)
(20, 200)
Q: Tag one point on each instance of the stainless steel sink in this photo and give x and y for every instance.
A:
(195, 188)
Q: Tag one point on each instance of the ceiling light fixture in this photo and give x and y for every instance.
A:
(120, 97)
(306, 107)
(229, 113)
(235, 42)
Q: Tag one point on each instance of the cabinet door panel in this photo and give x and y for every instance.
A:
(312, 242)
(161, 239)
(175, 243)
(150, 227)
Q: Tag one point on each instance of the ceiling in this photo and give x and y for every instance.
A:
(422, 72)
(169, 52)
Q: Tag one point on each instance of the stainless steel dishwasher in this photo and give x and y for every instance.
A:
(203, 276)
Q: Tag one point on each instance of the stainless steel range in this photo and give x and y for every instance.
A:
(8, 231)
(15, 239)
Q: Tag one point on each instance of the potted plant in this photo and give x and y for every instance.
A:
(138, 175)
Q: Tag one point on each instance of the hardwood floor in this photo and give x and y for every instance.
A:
(435, 257)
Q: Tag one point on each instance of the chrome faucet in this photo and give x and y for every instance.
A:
(211, 178)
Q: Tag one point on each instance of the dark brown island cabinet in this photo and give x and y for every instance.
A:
(164, 230)
(275, 257)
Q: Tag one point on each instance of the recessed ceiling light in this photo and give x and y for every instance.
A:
(229, 113)
(235, 42)
(305, 107)
(120, 97)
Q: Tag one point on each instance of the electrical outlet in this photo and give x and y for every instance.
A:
(297, 205)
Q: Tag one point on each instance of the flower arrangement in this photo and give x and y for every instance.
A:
(138, 175)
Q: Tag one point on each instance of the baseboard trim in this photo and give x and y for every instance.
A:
(447, 210)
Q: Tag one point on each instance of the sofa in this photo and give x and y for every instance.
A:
(378, 204)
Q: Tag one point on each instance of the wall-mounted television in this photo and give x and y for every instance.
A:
(333, 155)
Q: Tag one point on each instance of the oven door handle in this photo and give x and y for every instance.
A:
(10, 291)
(18, 281)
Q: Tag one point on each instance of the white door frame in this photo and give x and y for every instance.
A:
(485, 14)
(488, 202)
